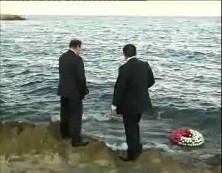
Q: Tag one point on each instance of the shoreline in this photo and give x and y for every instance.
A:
(33, 148)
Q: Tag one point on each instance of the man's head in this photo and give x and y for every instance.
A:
(75, 45)
(129, 50)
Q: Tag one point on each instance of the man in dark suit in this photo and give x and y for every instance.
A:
(131, 98)
(72, 89)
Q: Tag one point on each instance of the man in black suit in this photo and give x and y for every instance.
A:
(131, 98)
(72, 89)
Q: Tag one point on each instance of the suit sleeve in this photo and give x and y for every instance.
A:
(151, 79)
(81, 78)
(120, 86)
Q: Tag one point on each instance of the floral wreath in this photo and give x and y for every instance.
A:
(186, 137)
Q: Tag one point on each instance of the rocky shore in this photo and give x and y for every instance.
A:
(11, 17)
(28, 148)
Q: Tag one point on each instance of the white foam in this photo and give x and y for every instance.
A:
(96, 117)
(55, 118)
(115, 146)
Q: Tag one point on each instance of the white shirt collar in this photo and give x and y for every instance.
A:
(130, 58)
(73, 51)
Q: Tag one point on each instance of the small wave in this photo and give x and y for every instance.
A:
(123, 146)
(2, 101)
(41, 91)
(27, 71)
(164, 147)
(99, 117)
(198, 53)
(84, 118)
(185, 53)
(30, 83)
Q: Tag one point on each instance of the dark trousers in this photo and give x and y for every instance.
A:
(132, 131)
(71, 118)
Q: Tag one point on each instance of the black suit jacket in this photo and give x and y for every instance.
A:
(72, 80)
(131, 89)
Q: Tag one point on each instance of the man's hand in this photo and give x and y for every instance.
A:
(113, 110)
(114, 114)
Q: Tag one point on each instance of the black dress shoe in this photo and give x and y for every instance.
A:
(65, 137)
(80, 144)
(127, 158)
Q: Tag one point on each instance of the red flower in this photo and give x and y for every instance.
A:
(176, 135)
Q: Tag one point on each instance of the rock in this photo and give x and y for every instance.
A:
(216, 169)
(74, 159)
(82, 165)
(102, 162)
(11, 17)
(1, 122)
(215, 160)
(206, 171)
(54, 129)
(40, 149)
(97, 151)
(16, 159)
(113, 171)
(156, 160)
(52, 159)
(14, 128)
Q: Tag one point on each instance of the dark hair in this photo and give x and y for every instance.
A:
(129, 50)
(75, 43)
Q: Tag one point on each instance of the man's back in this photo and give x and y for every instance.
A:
(138, 78)
(72, 82)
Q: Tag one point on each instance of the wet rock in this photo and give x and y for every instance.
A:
(97, 151)
(215, 160)
(11, 17)
(216, 169)
(13, 128)
(54, 129)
